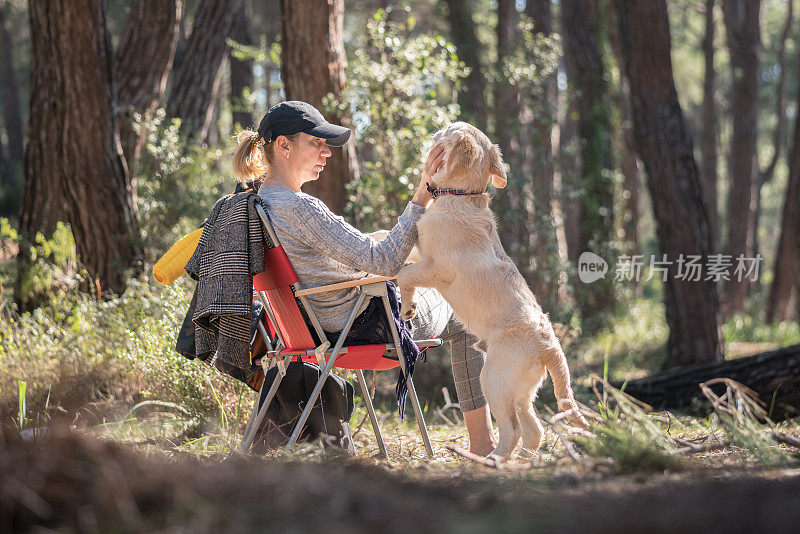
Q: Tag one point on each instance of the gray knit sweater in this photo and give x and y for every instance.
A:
(324, 249)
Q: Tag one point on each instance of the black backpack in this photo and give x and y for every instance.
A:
(328, 420)
(331, 417)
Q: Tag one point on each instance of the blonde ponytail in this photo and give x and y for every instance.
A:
(249, 161)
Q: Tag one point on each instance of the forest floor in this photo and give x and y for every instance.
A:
(155, 470)
(104, 429)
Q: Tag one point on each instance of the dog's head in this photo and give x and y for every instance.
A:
(470, 159)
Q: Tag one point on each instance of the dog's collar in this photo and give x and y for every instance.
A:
(448, 191)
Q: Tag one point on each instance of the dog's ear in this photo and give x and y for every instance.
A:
(496, 169)
(464, 152)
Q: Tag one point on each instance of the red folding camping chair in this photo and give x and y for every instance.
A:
(279, 290)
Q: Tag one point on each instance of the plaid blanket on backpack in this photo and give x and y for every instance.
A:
(230, 252)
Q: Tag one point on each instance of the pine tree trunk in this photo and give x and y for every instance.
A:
(213, 137)
(12, 114)
(313, 65)
(765, 175)
(242, 70)
(74, 168)
(708, 130)
(780, 100)
(665, 148)
(547, 242)
(587, 86)
(6, 174)
(195, 79)
(270, 16)
(742, 29)
(784, 293)
(144, 59)
(629, 163)
(472, 97)
(568, 165)
(508, 202)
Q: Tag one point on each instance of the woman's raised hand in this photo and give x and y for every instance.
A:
(432, 165)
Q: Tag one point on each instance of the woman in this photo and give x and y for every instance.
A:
(290, 148)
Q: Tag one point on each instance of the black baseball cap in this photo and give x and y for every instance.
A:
(294, 116)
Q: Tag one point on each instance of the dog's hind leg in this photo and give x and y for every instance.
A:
(531, 426)
(497, 383)
(556, 364)
(532, 429)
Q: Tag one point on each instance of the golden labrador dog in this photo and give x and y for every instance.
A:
(461, 256)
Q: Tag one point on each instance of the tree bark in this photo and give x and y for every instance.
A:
(74, 168)
(12, 114)
(767, 173)
(507, 202)
(774, 375)
(784, 293)
(6, 174)
(708, 130)
(242, 70)
(144, 59)
(547, 242)
(780, 102)
(472, 97)
(629, 163)
(587, 86)
(742, 29)
(665, 147)
(270, 25)
(569, 163)
(313, 65)
(195, 80)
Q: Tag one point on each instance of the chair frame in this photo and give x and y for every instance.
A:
(374, 286)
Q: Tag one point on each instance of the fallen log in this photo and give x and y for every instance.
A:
(774, 375)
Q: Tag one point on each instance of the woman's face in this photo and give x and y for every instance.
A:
(308, 155)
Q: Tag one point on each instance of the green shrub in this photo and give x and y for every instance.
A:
(78, 349)
(177, 184)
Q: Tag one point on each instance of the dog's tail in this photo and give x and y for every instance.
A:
(556, 364)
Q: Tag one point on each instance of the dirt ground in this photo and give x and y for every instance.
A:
(73, 481)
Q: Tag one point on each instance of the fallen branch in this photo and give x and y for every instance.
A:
(560, 429)
(448, 404)
(773, 375)
(786, 439)
(488, 462)
(706, 447)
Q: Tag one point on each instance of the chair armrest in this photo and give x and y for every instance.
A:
(343, 285)
(428, 343)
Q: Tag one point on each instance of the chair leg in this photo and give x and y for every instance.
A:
(244, 446)
(252, 427)
(371, 412)
(412, 392)
(325, 372)
(423, 429)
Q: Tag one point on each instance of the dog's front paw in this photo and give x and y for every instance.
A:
(408, 311)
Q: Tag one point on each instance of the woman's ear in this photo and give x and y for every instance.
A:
(282, 142)
(496, 168)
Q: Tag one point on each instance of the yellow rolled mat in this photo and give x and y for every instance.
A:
(170, 266)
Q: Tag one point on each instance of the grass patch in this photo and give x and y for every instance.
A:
(76, 351)
(633, 343)
(743, 327)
